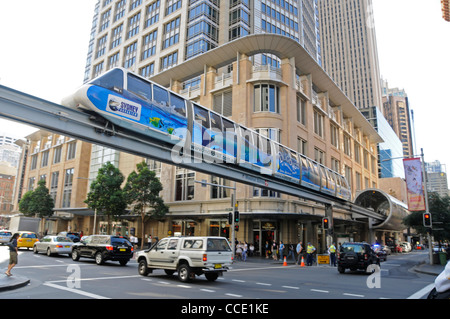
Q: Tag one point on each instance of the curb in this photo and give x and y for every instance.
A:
(17, 282)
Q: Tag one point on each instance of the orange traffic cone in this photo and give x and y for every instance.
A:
(284, 263)
(303, 263)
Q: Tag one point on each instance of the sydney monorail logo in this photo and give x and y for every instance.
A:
(123, 107)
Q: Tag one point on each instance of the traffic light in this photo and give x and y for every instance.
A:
(236, 216)
(230, 218)
(427, 219)
(325, 223)
(236, 227)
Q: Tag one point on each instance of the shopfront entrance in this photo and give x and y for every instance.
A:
(264, 234)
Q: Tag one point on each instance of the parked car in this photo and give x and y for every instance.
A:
(356, 256)
(5, 236)
(386, 249)
(53, 245)
(103, 248)
(406, 247)
(188, 256)
(26, 239)
(75, 237)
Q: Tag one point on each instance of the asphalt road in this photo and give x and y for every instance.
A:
(258, 279)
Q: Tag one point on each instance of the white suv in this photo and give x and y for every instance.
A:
(188, 256)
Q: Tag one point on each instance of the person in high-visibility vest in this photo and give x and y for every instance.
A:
(310, 249)
(332, 251)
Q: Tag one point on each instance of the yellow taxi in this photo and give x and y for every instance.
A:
(26, 239)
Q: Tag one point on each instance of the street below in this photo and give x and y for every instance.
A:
(59, 277)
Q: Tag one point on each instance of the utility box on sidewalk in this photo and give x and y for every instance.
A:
(443, 258)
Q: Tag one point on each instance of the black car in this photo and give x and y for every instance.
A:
(74, 236)
(356, 256)
(103, 248)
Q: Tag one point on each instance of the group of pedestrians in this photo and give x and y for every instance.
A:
(243, 249)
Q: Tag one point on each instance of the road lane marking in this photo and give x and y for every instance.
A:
(233, 295)
(207, 290)
(290, 287)
(184, 286)
(317, 290)
(263, 284)
(76, 291)
(237, 280)
(422, 292)
(353, 295)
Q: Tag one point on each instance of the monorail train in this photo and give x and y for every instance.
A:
(135, 103)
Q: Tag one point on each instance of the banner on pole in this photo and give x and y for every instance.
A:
(414, 184)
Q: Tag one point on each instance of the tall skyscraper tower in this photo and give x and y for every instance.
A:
(349, 49)
(151, 36)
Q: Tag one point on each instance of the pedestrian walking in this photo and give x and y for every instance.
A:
(244, 251)
(291, 252)
(299, 250)
(274, 250)
(310, 249)
(267, 248)
(281, 250)
(13, 253)
(332, 252)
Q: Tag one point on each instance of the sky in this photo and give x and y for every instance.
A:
(44, 47)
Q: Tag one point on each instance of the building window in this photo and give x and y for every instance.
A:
(101, 46)
(54, 185)
(171, 33)
(223, 103)
(44, 158)
(31, 181)
(172, 6)
(301, 111)
(147, 70)
(57, 154)
(334, 132)
(104, 21)
(357, 153)
(113, 61)
(217, 191)
(116, 38)
(347, 145)
(301, 146)
(130, 55)
(261, 192)
(348, 175)
(319, 156)
(318, 123)
(133, 25)
(33, 163)
(120, 9)
(184, 184)
(270, 133)
(71, 150)
(169, 61)
(335, 165)
(266, 98)
(149, 45)
(67, 193)
(152, 14)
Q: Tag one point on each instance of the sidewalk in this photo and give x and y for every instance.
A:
(9, 282)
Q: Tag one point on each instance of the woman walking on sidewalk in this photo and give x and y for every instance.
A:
(12, 253)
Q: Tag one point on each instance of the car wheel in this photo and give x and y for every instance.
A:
(184, 273)
(212, 277)
(142, 268)
(99, 260)
(123, 262)
(341, 269)
(49, 252)
(75, 255)
(35, 250)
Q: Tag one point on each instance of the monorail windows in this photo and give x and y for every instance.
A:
(112, 80)
(267, 98)
(139, 87)
(201, 133)
(178, 104)
(160, 95)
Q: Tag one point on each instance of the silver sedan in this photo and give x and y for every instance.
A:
(53, 245)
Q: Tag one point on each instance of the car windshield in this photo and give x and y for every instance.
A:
(218, 244)
(352, 248)
(63, 239)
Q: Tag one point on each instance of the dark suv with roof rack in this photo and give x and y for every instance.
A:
(357, 256)
(103, 248)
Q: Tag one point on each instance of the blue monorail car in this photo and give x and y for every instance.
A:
(132, 102)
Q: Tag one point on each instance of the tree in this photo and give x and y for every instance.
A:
(142, 191)
(37, 203)
(106, 195)
(439, 207)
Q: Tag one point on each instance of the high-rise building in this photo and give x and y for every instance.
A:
(396, 110)
(349, 49)
(437, 178)
(151, 36)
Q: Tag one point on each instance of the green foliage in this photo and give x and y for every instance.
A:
(439, 207)
(38, 202)
(106, 195)
(142, 191)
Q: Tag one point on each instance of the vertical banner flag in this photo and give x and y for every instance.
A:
(414, 185)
